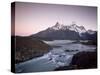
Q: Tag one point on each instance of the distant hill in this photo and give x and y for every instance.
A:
(27, 48)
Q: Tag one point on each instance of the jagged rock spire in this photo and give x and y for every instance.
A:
(57, 23)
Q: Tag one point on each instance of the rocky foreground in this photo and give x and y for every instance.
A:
(82, 60)
(27, 48)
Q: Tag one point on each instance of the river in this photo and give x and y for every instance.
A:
(60, 55)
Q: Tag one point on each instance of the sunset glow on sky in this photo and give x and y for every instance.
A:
(31, 18)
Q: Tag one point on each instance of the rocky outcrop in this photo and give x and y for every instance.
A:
(85, 60)
(82, 60)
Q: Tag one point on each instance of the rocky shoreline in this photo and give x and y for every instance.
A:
(81, 60)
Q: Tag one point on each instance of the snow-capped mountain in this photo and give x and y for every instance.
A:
(72, 27)
(58, 26)
(71, 32)
(91, 32)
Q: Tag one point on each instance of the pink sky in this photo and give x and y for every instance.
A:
(31, 18)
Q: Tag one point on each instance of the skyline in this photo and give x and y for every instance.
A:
(31, 18)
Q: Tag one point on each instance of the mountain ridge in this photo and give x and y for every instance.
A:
(72, 32)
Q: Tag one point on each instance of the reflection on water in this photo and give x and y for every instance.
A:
(58, 56)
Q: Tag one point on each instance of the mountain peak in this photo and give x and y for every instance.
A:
(72, 27)
(57, 24)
